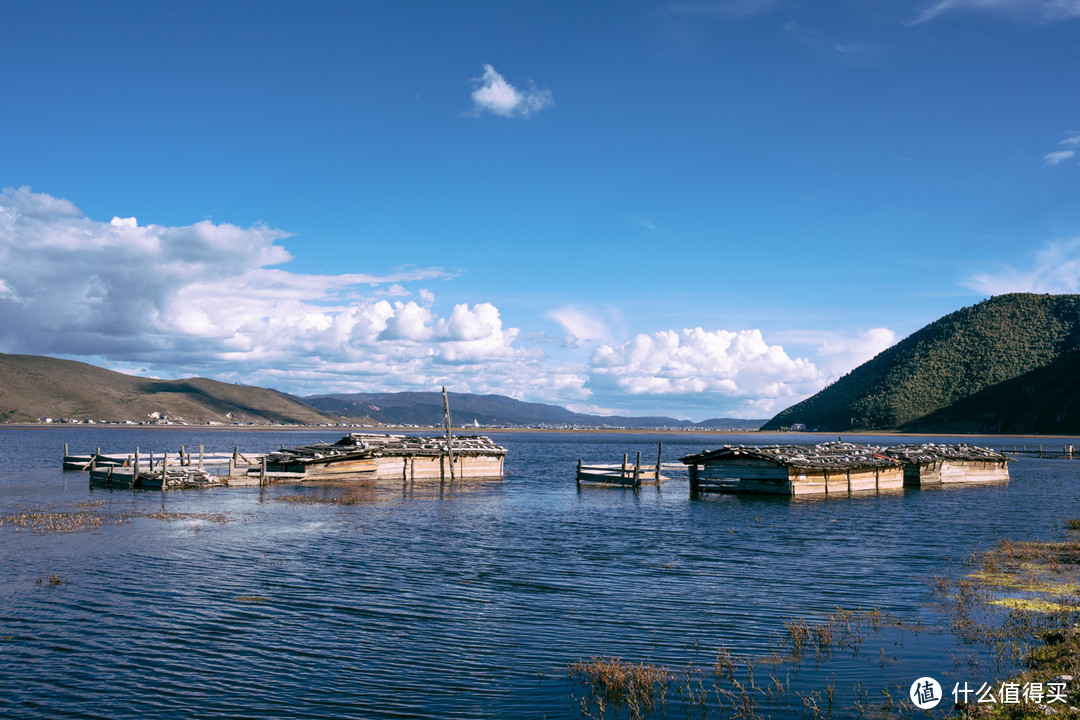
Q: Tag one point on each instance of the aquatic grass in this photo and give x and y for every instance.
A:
(1024, 591)
(615, 683)
(323, 500)
(88, 517)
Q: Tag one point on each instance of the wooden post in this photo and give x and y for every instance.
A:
(659, 455)
(449, 435)
(93, 463)
(693, 481)
(65, 451)
(262, 472)
(579, 473)
(622, 472)
(135, 469)
(200, 456)
(637, 471)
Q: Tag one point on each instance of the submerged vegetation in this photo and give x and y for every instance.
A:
(1023, 599)
(741, 687)
(86, 517)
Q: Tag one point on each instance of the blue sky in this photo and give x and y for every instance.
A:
(696, 209)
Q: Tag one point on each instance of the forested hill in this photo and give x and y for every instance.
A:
(1004, 365)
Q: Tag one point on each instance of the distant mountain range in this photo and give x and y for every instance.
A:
(34, 387)
(1010, 364)
(426, 408)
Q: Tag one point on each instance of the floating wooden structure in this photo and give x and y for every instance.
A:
(624, 474)
(828, 468)
(146, 473)
(933, 464)
(839, 468)
(1067, 452)
(374, 456)
(357, 456)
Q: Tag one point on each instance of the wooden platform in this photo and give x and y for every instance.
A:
(625, 474)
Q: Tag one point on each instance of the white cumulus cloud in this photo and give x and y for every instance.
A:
(495, 95)
(716, 366)
(211, 299)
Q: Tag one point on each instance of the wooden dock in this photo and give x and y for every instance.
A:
(165, 471)
(1067, 452)
(625, 474)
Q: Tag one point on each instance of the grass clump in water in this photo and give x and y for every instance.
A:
(615, 684)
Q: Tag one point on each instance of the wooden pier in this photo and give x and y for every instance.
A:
(626, 474)
(1067, 452)
(165, 471)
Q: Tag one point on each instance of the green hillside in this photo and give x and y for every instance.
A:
(998, 366)
(33, 387)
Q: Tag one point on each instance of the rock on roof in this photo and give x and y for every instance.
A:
(932, 452)
(824, 456)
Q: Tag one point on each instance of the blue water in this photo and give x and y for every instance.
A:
(459, 601)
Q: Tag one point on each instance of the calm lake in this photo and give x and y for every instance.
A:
(466, 601)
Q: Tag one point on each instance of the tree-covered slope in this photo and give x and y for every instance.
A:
(963, 354)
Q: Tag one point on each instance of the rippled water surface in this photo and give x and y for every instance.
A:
(460, 602)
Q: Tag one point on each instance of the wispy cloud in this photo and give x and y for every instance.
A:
(1058, 157)
(582, 326)
(858, 53)
(495, 95)
(643, 222)
(1053, 269)
(840, 353)
(724, 8)
(1072, 139)
(1027, 10)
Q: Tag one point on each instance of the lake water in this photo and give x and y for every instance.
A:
(465, 601)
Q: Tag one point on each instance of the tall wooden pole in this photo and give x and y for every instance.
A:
(449, 436)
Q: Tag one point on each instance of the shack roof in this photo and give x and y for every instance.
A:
(933, 452)
(375, 445)
(824, 456)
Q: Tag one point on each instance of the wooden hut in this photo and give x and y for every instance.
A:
(933, 464)
(828, 468)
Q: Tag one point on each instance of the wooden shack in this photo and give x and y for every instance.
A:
(934, 464)
(400, 457)
(823, 469)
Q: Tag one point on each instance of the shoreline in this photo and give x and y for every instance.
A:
(811, 437)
